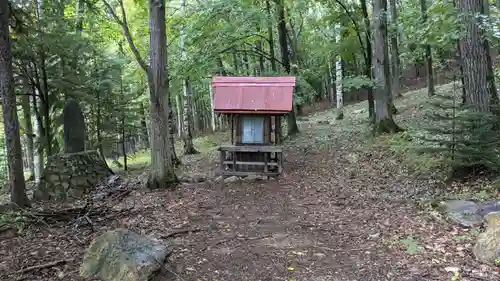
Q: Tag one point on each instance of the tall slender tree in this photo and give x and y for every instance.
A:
(431, 89)
(187, 134)
(270, 38)
(9, 109)
(339, 113)
(293, 128)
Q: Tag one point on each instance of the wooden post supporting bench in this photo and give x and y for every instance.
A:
(268, 167)
(255, 105)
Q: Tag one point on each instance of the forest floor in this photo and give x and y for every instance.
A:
(344, 209)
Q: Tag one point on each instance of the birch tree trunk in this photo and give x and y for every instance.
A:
(383, 115)
(28, 128)
(479, 81)
(38, 162)
(180, 125)
(9, 109)
(212, 106)
(339, 114)
(331, 83)
(187, 135)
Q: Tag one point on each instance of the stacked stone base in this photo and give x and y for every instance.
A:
(69, 176)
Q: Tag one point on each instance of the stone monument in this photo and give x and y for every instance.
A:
(69, 175)
(74, 127)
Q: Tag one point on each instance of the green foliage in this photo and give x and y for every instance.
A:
(13, 220)
(465, 139)
(412, 245)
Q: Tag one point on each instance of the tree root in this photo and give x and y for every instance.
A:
(42, 266)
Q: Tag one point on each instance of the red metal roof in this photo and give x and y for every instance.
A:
(265, 95)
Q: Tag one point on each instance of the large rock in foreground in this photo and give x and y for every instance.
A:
(68, 176)
(122, 255)
(487, 248)
(463, 212)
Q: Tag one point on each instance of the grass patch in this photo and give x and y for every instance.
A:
(406, 151)
(141, 160)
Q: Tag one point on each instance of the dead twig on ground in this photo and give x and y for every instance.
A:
(42, 266)
(254, 238)
(180, 231)
(222, 241)
(119, 195)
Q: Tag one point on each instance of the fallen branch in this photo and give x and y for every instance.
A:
(254, 238)
(179, 232)
(120, 195)
(42, 266)
(217, 243)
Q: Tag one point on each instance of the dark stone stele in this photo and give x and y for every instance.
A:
(74, 127)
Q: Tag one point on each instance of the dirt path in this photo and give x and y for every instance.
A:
(340, 212)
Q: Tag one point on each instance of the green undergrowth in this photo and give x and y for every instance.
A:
(13, 220)
(413, 107)
(406, 151)
(142, 159)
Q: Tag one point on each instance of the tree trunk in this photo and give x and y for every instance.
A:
(187, 135)
(478, 80)
(144, 128)
(368, 62)
(221, 70)
(285, 58)
(272, 56)
(162, 174)
(123, 137)
(175, 160)
(291, 119)
(339, 113)
(475, 50)
(10, 118)
(431, 88)
(462, 79)
(44, 89)
(395, 61)
(99, 117)
(236, 64)
(282, 35)
(28, 127)
(212, 106)
(258, 45)
(38, 162)
(80, 8)
(246, 62)
(331, 83)
(383, 115)
(180, 126)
